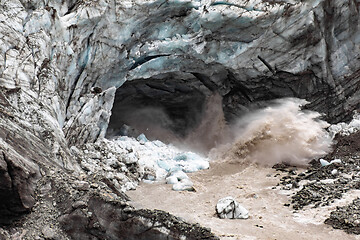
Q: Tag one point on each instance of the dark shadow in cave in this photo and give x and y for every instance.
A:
(165, 107)
(172, 106)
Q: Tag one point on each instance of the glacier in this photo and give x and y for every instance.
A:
(69, 47)
(72, 71)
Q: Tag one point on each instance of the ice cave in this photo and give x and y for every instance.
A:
(164, 107)
(157, 119)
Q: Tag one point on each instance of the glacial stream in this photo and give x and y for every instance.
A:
(241, 155)
(240, 166)
(280, 132)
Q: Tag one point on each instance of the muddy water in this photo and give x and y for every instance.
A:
(280, 132)
(252, 186)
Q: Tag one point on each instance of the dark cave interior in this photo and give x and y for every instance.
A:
(170, 106)
(165, 107)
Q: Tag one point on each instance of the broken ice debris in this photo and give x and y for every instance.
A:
(183, 185)
(180, 175)
(345, 129)
(191, 162)
(163, 161)
(335, 161)
(229, 208)
(180, 181)
(163, 164)
(142, 138)
(324, 163)
(172, 180)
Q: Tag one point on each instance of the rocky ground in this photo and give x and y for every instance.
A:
(82, 207)
(89, 204)
(320, 185)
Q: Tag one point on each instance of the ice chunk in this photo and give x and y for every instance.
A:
(324, 163)
(172, 180)
(335, 161)
(142, 138)
(229, 208)
(149, 177)
(191, 162)
(160, 174)
(355, 123)
(159, 143)
(183, 185)
(163, 164)
(196, 166)
(180, 157)
(122, 138)
(130, 158)
(175, 169)
(180, 175)
(187, 156)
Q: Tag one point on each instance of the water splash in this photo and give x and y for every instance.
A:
(212, 130)
(281, 132)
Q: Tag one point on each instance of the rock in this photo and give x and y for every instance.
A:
(346, 217)
(79, 204)
(46, 188)
(81, 185)
(18, 174)
(134, 224)
(96, 90)
(48, 232)
(229, 208)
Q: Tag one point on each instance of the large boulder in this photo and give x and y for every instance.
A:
(228, 207)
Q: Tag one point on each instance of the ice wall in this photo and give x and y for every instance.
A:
(62, 63)
(70, 54)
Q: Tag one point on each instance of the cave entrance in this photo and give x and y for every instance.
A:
(165, 107)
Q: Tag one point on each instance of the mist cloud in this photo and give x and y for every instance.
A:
(281, 132)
